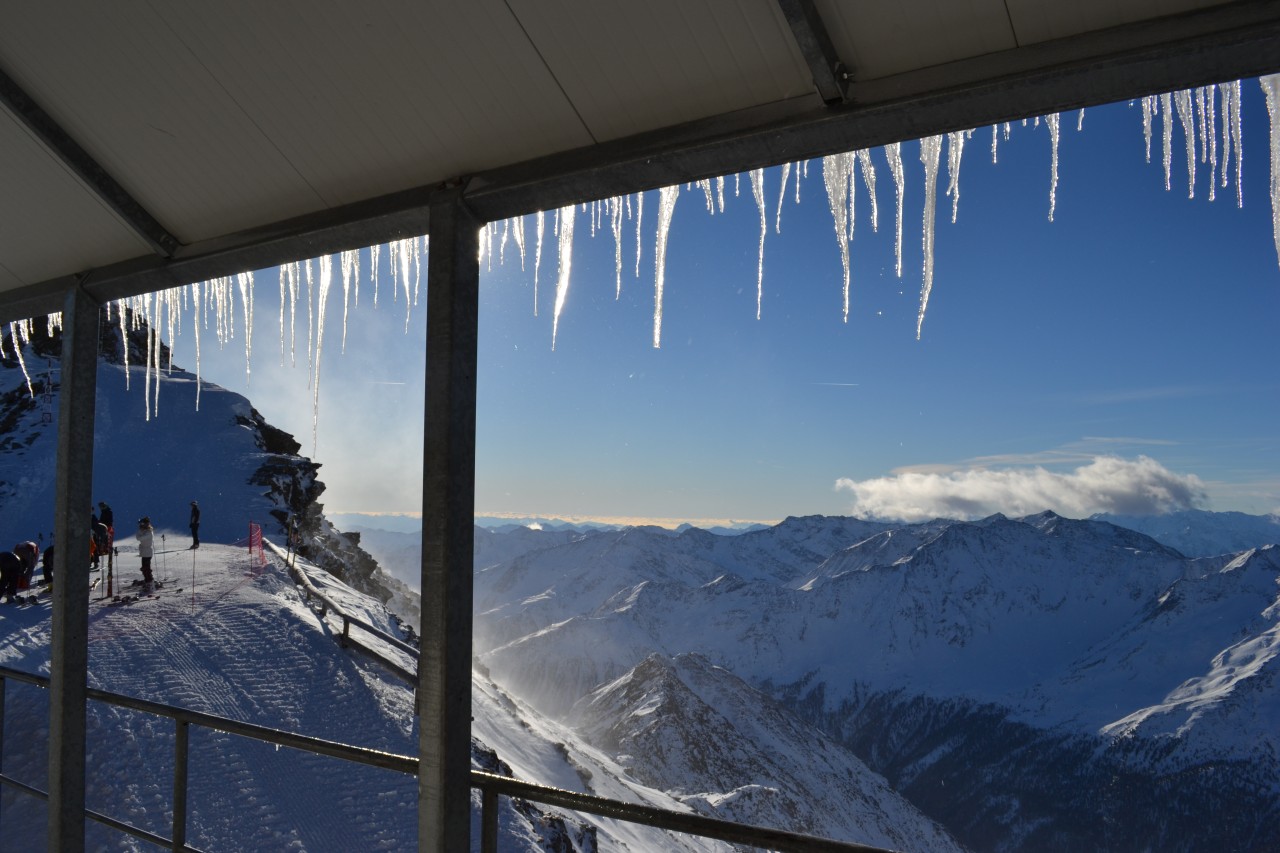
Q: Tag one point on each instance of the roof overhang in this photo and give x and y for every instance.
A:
(147, 148)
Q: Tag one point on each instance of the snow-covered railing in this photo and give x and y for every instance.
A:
(327, 604)
(490, 785)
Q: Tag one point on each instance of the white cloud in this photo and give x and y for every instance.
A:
(1139, 486)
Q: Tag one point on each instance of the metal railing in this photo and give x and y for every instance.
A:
(490, 785)
(327, 604)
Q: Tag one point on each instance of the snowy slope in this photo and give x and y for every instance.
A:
(980, 666)
(697, 730)
(241, 642)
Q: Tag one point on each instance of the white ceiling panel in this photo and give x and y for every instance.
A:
(879, 39)
(632, 67)
(49, 223)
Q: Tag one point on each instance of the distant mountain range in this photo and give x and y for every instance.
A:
(1032, 684)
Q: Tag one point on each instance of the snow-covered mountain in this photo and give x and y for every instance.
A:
(1016, 679)
(155, 451)
(1200, 533)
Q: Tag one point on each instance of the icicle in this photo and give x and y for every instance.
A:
(1054, 135)
(1237, 140)
(1150, 106)
(517, 232)
(311, 323)
(801, 168)
(1211, 135)
(1186, 116)
(375, 253)
(1080, 120)
(995, 136)
(869, 179)
(667, 197)
(1202, 132)
(782, 196)
(615, 225)
(146, 374)
(566, 259)
(196, 308)
(326, 279)
(720, 192)
(124, 341)
(955, 148)
(17, 349)
(757, 191)
(281, 274)
(1271, 88)
(639, 216)
(837, 177)
(1166, 106)
(502, 246)
(705, 186)
(894, 153)
(930, 153)
(245, 281)
(295, 283)
(541, 220)
(350, 271)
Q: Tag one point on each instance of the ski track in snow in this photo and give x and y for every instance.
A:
(248, 648)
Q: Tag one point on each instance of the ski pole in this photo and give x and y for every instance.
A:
(164, 560)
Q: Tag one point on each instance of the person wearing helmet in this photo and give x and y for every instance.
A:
(146, 548)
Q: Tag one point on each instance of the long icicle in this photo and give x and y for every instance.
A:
(667, 197)
(757, 192)
(1271, 88)
(930, 153)
(837, 177)
(567, 216)
(893, 152)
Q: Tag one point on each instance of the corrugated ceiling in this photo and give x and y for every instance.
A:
(248, 132)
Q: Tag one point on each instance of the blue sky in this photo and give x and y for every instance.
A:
(1133, 328)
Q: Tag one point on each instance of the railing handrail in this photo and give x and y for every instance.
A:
(490, 784)
(348, 619)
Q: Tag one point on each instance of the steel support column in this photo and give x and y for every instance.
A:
(448, 509)
(69, 676)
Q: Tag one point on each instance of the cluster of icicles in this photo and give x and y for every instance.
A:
(1209, 117)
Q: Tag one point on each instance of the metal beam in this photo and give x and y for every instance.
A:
(829, 74)
(1222, 43)
(448, 516)
(68, 680)
(59, 143)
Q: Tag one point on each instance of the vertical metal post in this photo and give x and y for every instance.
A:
(3, 682)
(68, 678)
(489, 822)
(448, 516)
(181, 748)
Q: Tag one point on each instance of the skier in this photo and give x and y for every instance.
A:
(46, 561)
(29, 554)
(107, 517)
(10, 573)
(146, 536)
(99, 542)
(195, 525)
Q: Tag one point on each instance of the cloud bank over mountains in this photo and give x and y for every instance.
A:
(1140, 486)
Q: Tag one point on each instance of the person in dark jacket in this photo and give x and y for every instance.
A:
(10, 574)
(195, 525)
(46, 562)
